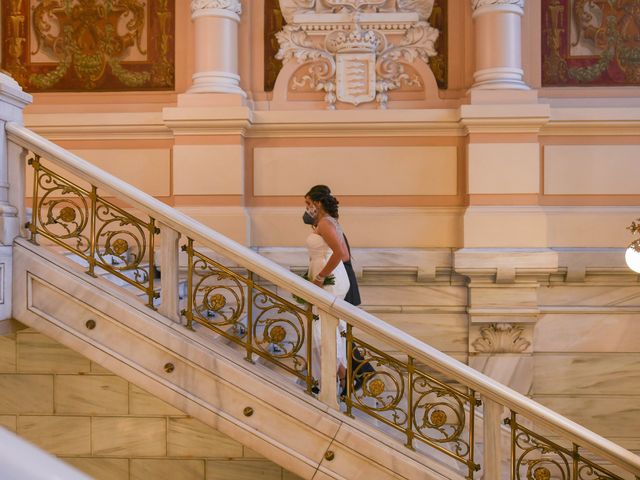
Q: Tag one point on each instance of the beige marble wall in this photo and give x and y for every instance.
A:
(107, 427)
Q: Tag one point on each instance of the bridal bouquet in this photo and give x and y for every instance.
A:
(329, 280)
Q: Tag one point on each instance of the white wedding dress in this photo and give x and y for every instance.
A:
(319, 253)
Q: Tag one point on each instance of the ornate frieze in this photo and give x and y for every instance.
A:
(232, 5)
(356, 50)
(476, 4)
(501, 338)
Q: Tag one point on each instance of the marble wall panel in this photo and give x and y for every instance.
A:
(8, 353)
(102, 468)
(590, 295)
(9, 422)
(98, 369)
(26, 394)
(242, 470)
(565, 333)
(609, 416)
(290, 476)
(38, 353)
(499, 296)
(587, 374)
(90, 394)
(142, 403)
(57, 435)
(122, 436)
(188, 437)
(408, 295)
(446, 332)
(145, 469)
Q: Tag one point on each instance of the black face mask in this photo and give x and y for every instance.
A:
(308, 219)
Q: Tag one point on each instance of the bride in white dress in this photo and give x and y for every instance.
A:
(327, 251)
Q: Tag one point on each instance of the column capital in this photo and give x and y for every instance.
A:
(485, 6)
(233, 6)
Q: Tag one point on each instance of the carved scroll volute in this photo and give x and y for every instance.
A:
(356, 51)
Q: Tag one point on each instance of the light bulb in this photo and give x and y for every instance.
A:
(633, 259)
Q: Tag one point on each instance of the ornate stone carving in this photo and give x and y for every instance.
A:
(292, 7)
(476, 4)
(501, 338)
(232, 5)
(356, 49)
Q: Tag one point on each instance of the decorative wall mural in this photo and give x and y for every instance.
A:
(590, 42)
(274, 22)
(89, 45)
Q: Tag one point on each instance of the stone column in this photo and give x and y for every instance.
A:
(12, 102)
(216, 46)
(498, 44)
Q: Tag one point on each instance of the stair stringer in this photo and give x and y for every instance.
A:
(287, 426)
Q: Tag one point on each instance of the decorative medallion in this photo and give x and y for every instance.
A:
(277, 334)
(376, 387)
(438, 418)
(68, 214)
(120, 246)
(590, 42)
(89, 45)
(216, 302)
(542, 473)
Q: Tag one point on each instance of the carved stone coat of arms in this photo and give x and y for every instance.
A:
(356, 50)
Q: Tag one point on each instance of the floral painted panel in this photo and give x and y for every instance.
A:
(89, 45)
(590, 42)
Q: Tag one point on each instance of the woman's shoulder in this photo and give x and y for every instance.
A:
(327, 223)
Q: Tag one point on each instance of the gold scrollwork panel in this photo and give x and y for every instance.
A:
(106, 237)
(237, 306)
(534, 457)
(89, 45)
(403, 397)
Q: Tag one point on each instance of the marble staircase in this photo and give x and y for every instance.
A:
(205, 379)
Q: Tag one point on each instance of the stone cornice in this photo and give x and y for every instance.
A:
(232, 5)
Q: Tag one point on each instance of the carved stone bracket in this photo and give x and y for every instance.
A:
(501, 338)
(359, 50)
(232, 5)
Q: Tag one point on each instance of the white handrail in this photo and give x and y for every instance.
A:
(273, 272)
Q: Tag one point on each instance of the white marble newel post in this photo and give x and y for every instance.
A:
(498, 44)
(216, 46)
(12, 102)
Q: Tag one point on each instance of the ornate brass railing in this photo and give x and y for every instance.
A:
(400, 395)
(244, 312)
(234, 302)
(534, 457)
(96, 230)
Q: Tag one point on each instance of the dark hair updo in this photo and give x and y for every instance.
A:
(322, 194)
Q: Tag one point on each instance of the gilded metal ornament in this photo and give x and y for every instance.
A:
(400, 395)
(235, 306)
(534, 457)
(103, 235)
